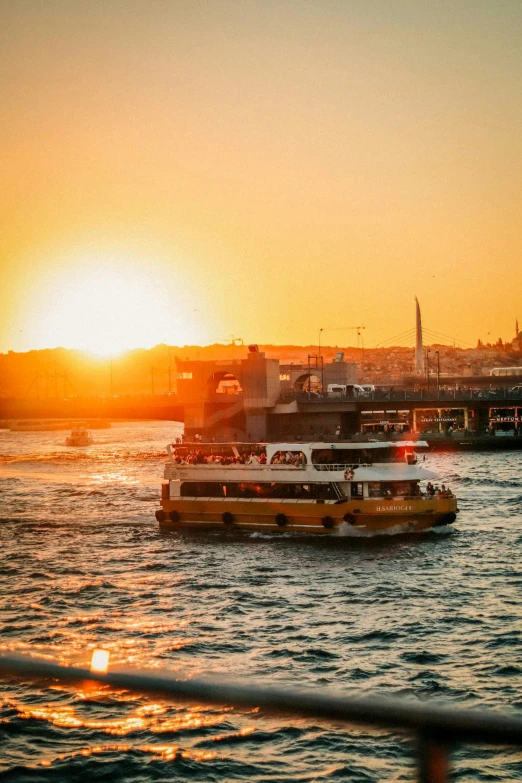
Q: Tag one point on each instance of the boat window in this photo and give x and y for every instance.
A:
(379, 489)
(203, 489)
(357, 489)
(351, 456)
(374, 489)
(296, 458)
(244, 489)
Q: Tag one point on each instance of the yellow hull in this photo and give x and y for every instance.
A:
(366, 516)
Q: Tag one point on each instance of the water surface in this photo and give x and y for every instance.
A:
(434, 617)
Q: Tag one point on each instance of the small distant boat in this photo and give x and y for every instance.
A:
(79, 437)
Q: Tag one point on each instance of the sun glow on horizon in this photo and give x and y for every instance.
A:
(106, 310)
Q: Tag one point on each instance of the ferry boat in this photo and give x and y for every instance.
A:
(369, 487)
(79, 437)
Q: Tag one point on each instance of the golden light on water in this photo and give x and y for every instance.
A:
(163, 752)
(100, 661)
(156, 718)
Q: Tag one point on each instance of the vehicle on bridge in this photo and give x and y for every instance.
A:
(505, 371)
(356, 487)
(345, 390)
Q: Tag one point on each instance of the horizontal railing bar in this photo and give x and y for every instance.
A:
(447, 724)
(233, 466)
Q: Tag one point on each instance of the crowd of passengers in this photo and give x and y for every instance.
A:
(198, 458)
(297, 459)
(442, 491)
(377, 489)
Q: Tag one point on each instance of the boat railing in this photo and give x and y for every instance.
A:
(236, 466)
(273, 466)
(437, 730)
(344, 466)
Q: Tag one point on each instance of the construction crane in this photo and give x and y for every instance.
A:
(234, 340)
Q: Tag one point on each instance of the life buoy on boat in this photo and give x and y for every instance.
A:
(349, 518)
(328, 522)
(348, 474)
(281, 520)
(227, 517)
(160, 515)
(174, 516)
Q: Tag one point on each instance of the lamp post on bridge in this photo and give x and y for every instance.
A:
(342, 329)
(428, 369)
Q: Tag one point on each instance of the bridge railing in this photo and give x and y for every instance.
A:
(437, 730)
(499, 395)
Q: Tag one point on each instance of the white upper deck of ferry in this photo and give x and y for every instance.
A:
(295, 461)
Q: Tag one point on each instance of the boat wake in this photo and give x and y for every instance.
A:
(407, 528)
(348, 531)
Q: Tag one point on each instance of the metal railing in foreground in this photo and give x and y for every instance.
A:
(437, 729)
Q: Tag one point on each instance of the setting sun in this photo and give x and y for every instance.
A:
(107, 312)
(108, 308)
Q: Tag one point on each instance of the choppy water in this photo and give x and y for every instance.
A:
(432, 617)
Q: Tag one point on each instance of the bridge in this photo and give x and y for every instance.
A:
(256, 398)
(305, 414)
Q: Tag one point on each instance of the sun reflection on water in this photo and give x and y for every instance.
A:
(113, 477)
(161, 752)
(156, 718)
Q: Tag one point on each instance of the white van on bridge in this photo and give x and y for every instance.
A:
(345, 390)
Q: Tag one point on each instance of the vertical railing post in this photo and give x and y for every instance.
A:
(433, 759)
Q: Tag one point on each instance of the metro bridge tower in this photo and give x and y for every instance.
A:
(419, 348)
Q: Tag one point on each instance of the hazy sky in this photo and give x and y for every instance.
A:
(185, 171)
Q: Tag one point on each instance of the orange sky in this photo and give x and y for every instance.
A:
(181, 171)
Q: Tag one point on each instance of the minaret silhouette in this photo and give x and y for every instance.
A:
(419, 348)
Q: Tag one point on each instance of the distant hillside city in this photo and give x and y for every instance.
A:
(62, 372)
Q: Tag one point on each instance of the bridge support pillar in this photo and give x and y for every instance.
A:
(256, 426)
(350, 423)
